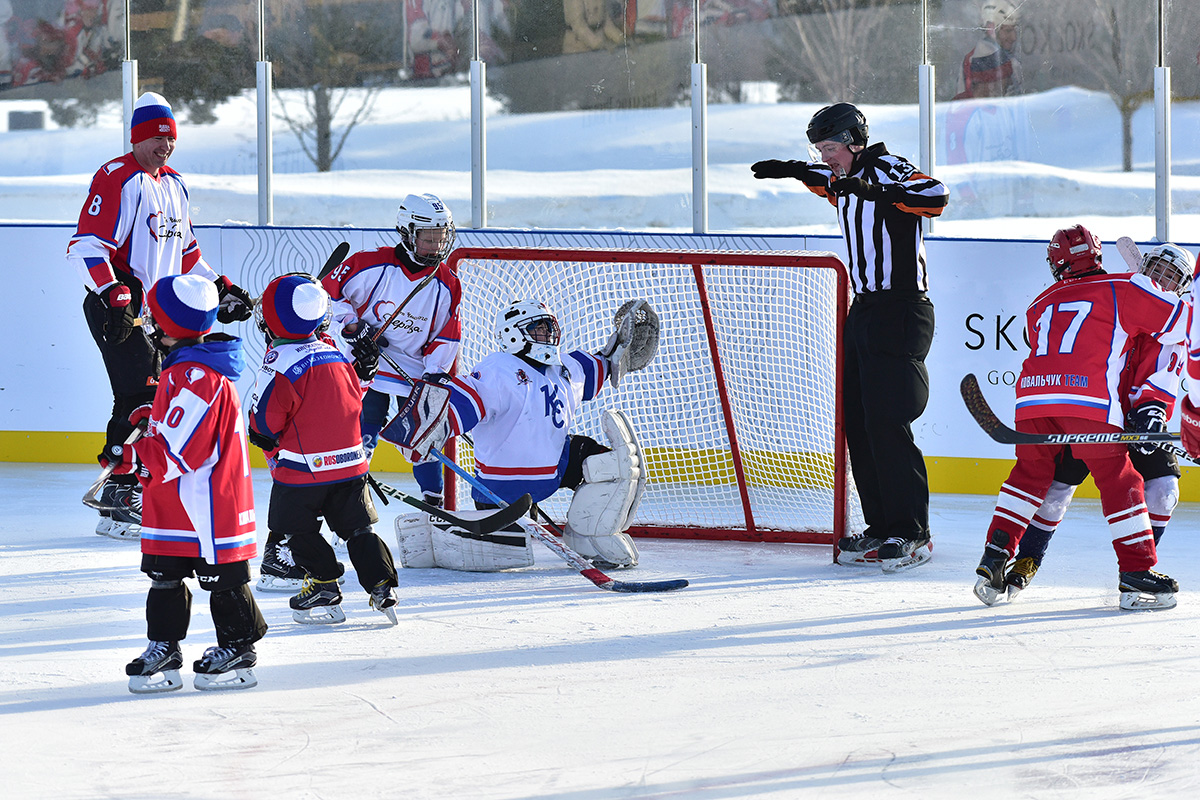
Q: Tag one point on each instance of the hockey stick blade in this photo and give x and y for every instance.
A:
(977, 404)
(335, 260)
(91, 498)
(498, 521)
(1130, 252)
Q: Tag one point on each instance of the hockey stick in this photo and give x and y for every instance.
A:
(1130, 252)
(501, 519)
(978, 406)
(335, 260)
(91, 497)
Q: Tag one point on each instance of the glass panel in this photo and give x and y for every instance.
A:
(358, 98)
(1045, 116)
(200, 54)
(1183, 57)
(771, 65)
(60, 100)
(575, 82)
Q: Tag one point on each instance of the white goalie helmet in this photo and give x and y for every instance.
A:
(426, 229)
(530, 329)
(1170, 267)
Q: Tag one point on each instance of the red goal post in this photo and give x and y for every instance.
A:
(738, 414)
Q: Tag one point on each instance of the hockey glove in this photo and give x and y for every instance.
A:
(234, 303)
(437, 377)
(1146, 418)
(1190, 427)
(365, 350)
(119, 455)
(800, 170)
(261, 440)
(867, 191)
(140, 417)
(122, 316)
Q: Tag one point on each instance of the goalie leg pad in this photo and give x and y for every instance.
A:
(414, 541)
(605, 502)
(456, 548)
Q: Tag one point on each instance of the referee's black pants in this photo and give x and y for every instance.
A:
(888, 335)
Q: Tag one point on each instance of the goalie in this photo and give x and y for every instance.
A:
(521, 402)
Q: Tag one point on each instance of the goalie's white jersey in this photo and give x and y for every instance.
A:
(521, 417)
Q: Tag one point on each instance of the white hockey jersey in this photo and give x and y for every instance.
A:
(521, 417)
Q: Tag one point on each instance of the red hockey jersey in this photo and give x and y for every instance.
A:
(199, 501)
(1080, 331)
(309, 400)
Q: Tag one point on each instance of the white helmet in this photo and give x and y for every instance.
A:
(530, 329)
(426, 229)
(1170, 267)
(998, 12)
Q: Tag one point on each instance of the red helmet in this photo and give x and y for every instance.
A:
(1073, 252)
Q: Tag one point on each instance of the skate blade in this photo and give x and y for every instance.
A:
(123, 531)
(322, 615)
(894, 565)
(390, 613)
(987, 594)
(1144, 601)
(224, 681)
(273, 583)
(868, 559)
(103, 526)
(159, 682)
(1012, 592)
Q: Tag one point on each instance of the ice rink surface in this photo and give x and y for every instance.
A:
(776, 674)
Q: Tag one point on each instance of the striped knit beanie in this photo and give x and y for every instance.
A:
(152, 116)
(293, 306)
(184, 306)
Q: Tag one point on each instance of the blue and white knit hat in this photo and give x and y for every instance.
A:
(293, 306)
(184, 306)
(152, 116)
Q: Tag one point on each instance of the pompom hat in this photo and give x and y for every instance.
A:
(293, 307)
(152, 116)
(184, 306)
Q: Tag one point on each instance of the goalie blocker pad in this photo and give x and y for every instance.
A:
(422, 423)
(604, 504)
(425, 543)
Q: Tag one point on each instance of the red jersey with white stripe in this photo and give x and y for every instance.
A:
(1080, 331)
(308, 398)
(424, 337)
(1152, 372)
(199, 501)
(135, 224)
(522, 416)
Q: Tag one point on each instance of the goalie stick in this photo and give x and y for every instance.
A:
(379, 331)
(91, 498)
(501, 519)
(978, 406)
(1130, 252)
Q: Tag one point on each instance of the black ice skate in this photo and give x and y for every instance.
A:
(319, 603)
(990, 585)
(383, 598)
(1147, 591)
(278, 571)
(898, 553)
(126, 515)
(214, 668)
(108, 496)
(1019, 576)
(156, 670)
(860, 549)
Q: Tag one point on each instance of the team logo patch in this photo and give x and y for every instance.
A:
(164, 128)
(476, 375)
(272, 357)
(522, 378)
(194, 374)
(317, 461)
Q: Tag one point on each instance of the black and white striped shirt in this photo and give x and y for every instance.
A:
(885, 241)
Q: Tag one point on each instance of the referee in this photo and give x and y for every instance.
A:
(880, 200)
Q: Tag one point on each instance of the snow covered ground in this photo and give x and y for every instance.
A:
(775, 674)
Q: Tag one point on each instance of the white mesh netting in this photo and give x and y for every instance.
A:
(773, 316)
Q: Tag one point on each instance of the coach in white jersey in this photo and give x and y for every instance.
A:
(881, 200)
(134, 228)
(520, 404)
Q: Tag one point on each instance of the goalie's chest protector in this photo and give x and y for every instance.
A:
(522, 417)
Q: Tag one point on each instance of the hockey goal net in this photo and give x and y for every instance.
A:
(738, 412)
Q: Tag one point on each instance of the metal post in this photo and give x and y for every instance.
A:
(129, 83)
(699, 148)
(266, 153)
(478, 146)
(927, 122)
(1162, 153)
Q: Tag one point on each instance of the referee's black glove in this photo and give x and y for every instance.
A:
(801, 170)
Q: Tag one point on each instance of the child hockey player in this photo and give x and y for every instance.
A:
(1080, 329)
(198, 503)
(305, 416)
(521, 403)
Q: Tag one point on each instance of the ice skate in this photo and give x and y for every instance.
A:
(319, 603)
(1019, 576)
(126, 517)
(156, 670)
(383, 599)
(990, 585)
(278, 571)
(107, 497)
(861, 549)
(898, 554)
(1147, 591)
(214, 668)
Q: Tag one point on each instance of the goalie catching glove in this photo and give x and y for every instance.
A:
(423, 422)
(634, 340)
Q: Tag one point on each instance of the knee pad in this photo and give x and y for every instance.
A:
(604, 504)
(168, 610)
(236, 617)
(1162, 495)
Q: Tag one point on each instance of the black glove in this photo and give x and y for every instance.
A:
(365, 350)
(1147, 418)
(867, 191)
(260, 439)
(234, 303)
(437, 377)
(122, 316)
(789, 169)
